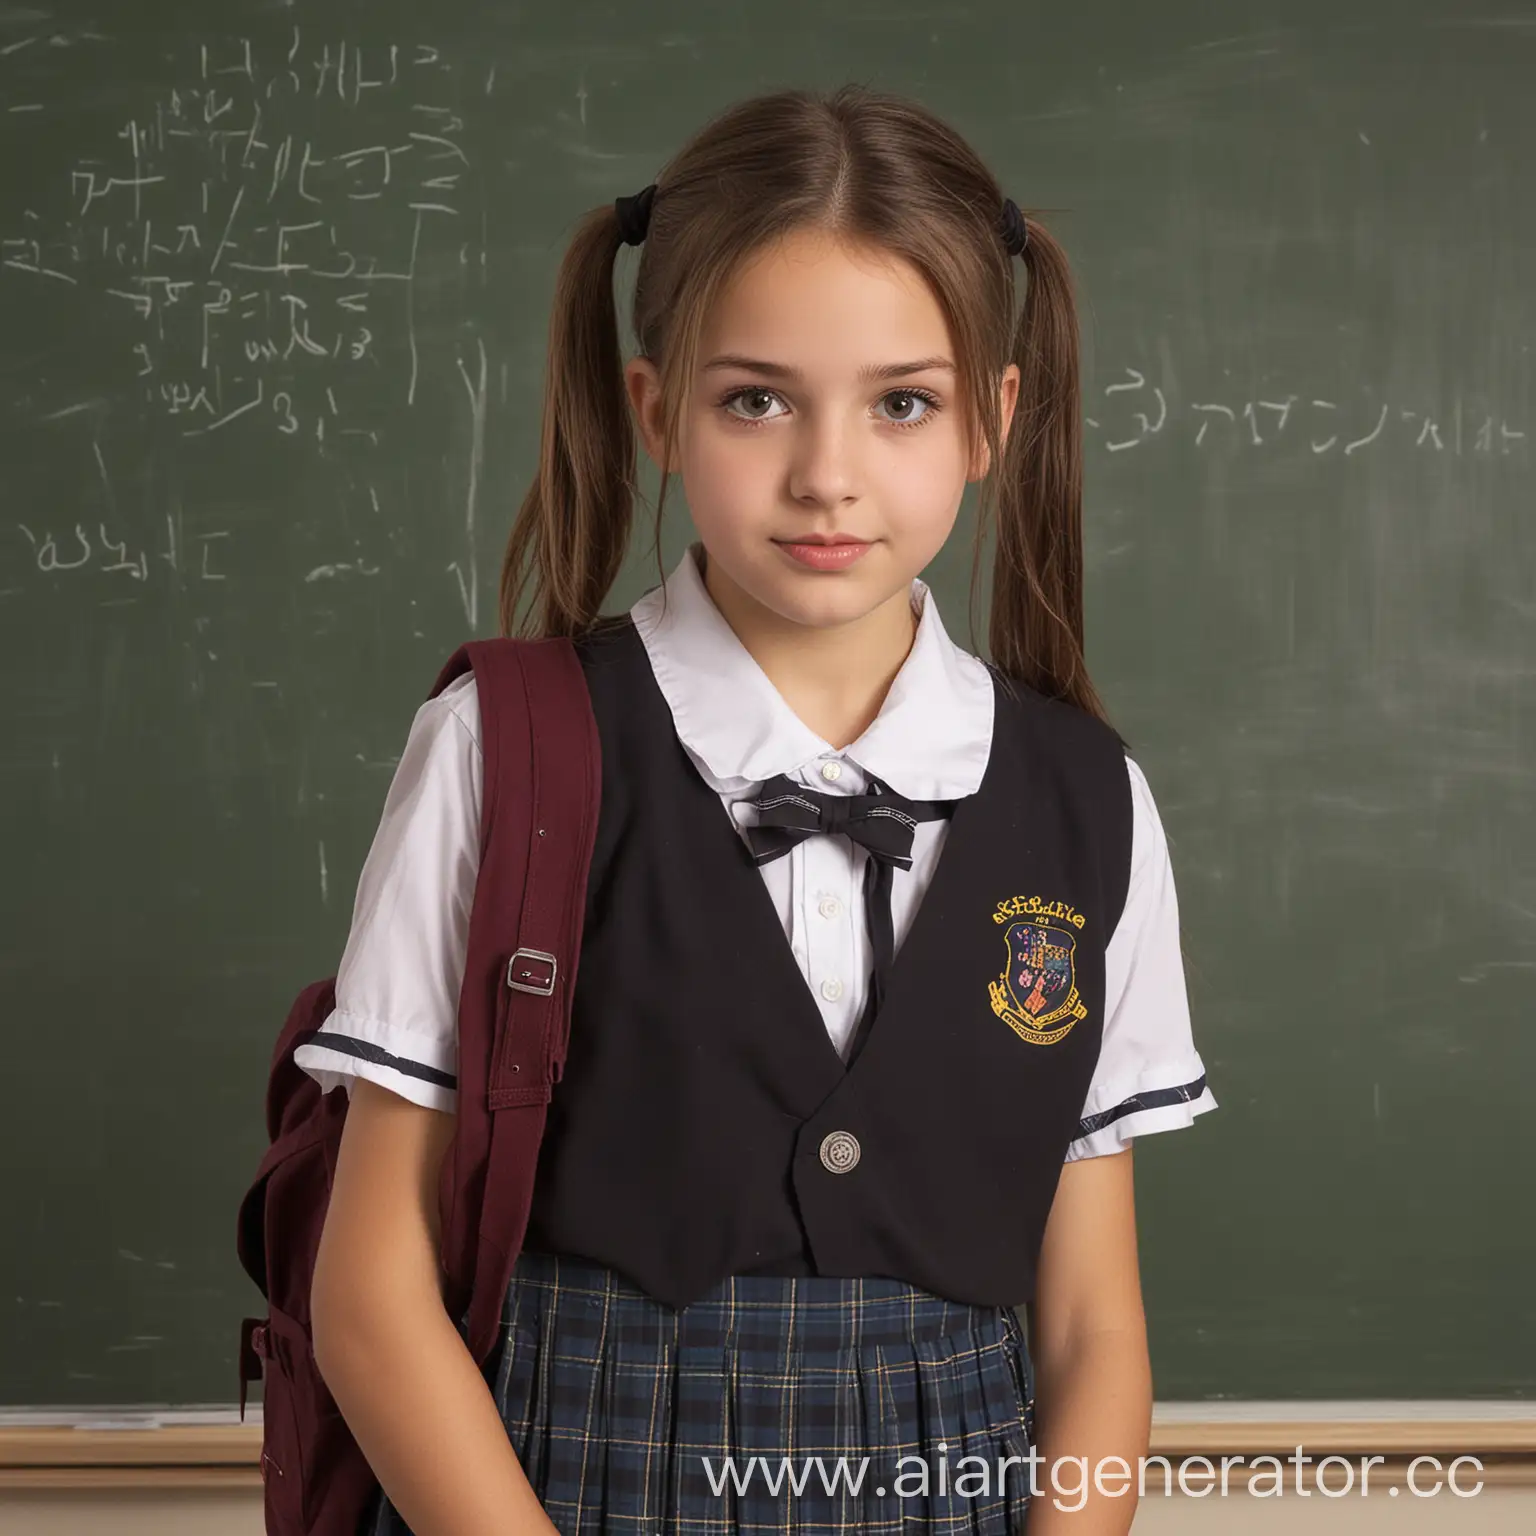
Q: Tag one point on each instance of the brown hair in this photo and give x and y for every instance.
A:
(868, 167)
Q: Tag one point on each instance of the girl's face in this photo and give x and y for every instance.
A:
(824, 405)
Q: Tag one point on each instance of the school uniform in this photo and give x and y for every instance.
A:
(768, 1218)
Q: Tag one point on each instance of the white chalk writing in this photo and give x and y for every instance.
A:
(1138, 410)
(266, 218)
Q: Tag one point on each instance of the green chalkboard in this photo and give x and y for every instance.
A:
(272, 306)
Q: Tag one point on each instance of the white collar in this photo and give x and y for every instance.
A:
(930, 740)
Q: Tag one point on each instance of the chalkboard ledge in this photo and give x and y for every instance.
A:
(211, 1449)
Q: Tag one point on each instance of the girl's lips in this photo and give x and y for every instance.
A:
(824, 557)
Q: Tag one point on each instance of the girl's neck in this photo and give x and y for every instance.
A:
(835, 680)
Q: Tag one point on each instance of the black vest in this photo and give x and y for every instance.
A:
(705, 1124)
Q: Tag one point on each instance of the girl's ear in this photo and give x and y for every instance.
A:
(642, 383)
(1008, 397)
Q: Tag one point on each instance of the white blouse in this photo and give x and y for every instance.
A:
(398, 984)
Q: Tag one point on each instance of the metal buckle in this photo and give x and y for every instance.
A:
(531, 982)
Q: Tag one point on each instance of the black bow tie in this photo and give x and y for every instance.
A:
(880, 821)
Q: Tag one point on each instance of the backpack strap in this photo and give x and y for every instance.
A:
(539, 807)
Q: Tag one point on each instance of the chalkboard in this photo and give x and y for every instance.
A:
(273, 292)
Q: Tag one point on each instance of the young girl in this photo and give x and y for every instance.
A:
(880, 973)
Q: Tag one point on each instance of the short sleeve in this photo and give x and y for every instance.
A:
(397, 988)
(1149, 1075)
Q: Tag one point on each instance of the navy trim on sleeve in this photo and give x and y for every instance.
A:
(1158, 1098)
(366, 1050)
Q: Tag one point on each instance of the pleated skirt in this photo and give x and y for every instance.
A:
(794, 1406)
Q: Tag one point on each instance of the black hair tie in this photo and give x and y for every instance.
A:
(1015, 228)
(635, 214)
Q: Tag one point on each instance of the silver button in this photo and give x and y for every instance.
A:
(839, 1151)
(831, 989)
(829, 906)
(831, 771)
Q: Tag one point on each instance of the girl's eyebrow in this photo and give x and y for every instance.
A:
(867, 374)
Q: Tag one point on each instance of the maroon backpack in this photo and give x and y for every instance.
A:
(538, 821)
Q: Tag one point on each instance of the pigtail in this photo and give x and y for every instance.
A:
(571, 532)
(1036, 627)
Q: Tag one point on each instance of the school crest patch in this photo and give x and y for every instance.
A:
(1036, 992)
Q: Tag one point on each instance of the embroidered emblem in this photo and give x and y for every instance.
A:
(1036, 992)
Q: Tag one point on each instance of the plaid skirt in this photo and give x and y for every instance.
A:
(792, 1406)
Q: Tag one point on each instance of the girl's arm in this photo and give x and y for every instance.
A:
(1088, 1340)
(404, 1380)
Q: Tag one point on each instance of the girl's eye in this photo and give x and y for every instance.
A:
(921, 397)
(755, 393)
